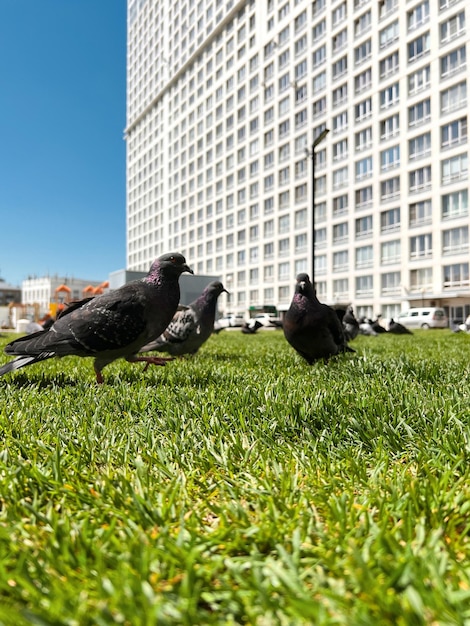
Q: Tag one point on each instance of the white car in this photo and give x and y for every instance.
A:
(229, 321)
(268, 319)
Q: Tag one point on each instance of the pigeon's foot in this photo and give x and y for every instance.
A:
(150, 360)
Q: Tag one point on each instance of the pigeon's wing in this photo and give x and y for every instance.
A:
(335, 326)
(183, 324)
(73, 306)
(109, 322)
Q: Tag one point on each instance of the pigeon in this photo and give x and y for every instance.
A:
(398, 329)
(313, 329)
(366, 328)
(251, 327)
(350, 324)
(377, 326)
(110, 326)
(191, 326)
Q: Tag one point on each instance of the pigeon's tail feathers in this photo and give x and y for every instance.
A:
(22, 361)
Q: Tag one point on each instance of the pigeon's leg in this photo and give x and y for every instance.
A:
(99, 375)
(149, 360)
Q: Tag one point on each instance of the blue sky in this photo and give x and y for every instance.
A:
(62, 153)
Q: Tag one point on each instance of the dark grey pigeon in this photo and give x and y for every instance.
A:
(110, 326)
(398, 329)
(191, 326)
(313, 329)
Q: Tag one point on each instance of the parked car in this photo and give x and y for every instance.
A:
(268, 319)
(229, 321)
(425, 317)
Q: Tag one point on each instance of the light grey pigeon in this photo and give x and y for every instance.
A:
(313, 329)
(110, 326)
(191, 326)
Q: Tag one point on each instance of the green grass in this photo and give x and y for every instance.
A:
(240, 486)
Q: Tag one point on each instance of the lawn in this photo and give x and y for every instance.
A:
(240, 486)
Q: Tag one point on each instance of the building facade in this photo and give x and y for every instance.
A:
(224, 103)
(42, 292)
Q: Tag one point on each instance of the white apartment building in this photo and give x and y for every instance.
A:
(224, 101)
(43, 291)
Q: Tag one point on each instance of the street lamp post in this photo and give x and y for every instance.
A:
(311, 155)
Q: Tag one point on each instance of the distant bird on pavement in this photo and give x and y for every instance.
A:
(398, 329)
(109, 326)
(350, 324)
(191, 326)
(313, 329)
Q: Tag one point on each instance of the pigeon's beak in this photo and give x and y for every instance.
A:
(302, 284)
(225, 291)
(186, 268)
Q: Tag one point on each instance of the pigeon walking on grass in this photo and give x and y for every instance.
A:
(110, 326)
(313, 329)
(191, 326)
(398, 329)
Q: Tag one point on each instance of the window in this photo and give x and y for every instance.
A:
(456, 275)
(390, 158)
(389, 34)
(320, 264)
(453, 27)
(340, 232)
(340, 95)
(340, 122)
(390, 126)
(419, 80)
(390, 188)
(341, 288)
(420, 179)
(418, 16)
(362, 23)
(386, 7)
(455, 240)
(363, 139)
(454, 133)
(319, 30)
(454, 62)
(420, 213)
(300, 241)
(419, 147)
(390, 220)
(340, 40)
(455, 204)
(340, 261)
(319, 107)
(390, 252)
(364, 168)
(340, 67)
(340, 205)
(419, 113)
(319, 56)
(389, 65)
(363, 110)
(340, 150)
(363, 81)
(363, 226)
(454, 98)
(339, 14)
(319, 82)
(421, 279)
(363, 197)
(454, 169)
(389, 96)
(364, 286)
(340, 177)
(363, 52)
(421, 246)
(364, 257)
(390, 283)
(419, 47)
